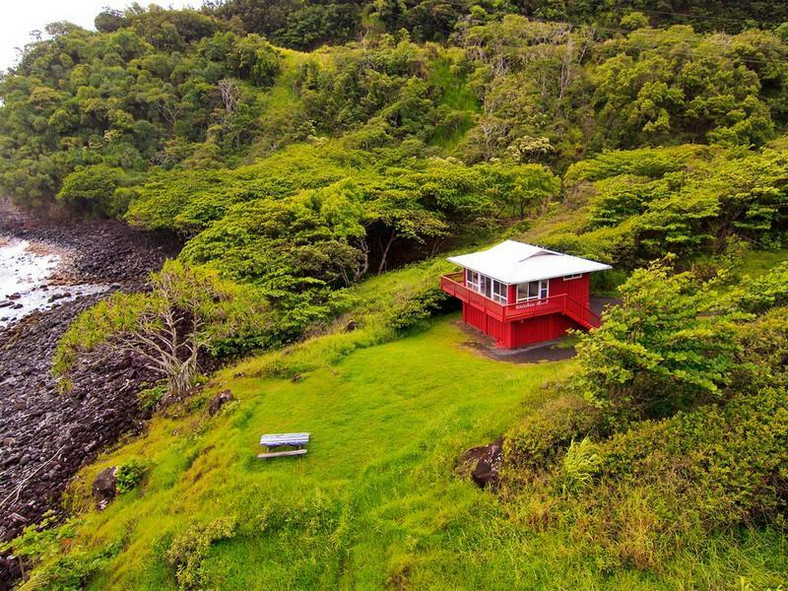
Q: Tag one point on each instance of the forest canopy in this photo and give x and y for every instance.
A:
(302, 172)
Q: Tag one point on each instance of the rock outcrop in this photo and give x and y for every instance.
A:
(46, 436)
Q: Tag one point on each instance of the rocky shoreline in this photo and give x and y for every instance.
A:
(45, 436)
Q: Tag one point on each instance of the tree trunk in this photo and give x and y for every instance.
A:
(385, 252)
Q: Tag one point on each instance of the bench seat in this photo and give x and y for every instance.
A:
(277, 439)
(276, 454)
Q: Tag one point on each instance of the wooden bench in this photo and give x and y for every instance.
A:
(274, 440)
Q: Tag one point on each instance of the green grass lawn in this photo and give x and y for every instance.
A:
(377, 501)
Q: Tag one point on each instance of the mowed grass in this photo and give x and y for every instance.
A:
(377, 502)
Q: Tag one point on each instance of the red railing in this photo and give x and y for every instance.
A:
(454, 284)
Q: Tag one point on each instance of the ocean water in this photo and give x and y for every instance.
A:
(26, 281)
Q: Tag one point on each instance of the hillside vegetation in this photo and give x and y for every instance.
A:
(382, 500)
(318, 161)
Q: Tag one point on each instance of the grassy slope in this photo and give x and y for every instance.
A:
(376, 494)
(376, 502)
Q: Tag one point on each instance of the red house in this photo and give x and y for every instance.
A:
(521, 294)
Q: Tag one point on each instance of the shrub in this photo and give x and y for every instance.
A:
(416, 308)
(766, 291)
(47, 547)
(764, 345)
(71, 572)
(148, 398)
(730, 461)
(546, 433)
(661, 350)
(97, 190)
(661, 486)
(129, 476)
(189, 549)
(188, 311)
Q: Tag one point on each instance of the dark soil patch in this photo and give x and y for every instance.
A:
(548, 351)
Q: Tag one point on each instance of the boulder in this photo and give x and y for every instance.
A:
(219, 401)
(104, 486)
(488, 467)
(484, 463)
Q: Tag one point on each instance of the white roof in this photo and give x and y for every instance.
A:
(516, 262)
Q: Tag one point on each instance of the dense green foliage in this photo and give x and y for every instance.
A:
(679, 417)
(666, 347)
(300, 26)
(637, 205)
(159, 90)
(302, 173)
(129, 476)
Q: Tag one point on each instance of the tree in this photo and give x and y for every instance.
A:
(188, 312)
(400, 215)
(95, 190)
(665, 348)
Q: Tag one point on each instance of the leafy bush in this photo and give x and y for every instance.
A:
(416, 308)
(547, 432)
(712, 452)
(638, 205)
(189, 549)
(148, 398)
(72, 571)
(49, 542)
(763, 292)
(187, 312)
(661, 350)
(129, 475)
(96, 189)
(731, 460)
(649, 491)
(764, 345)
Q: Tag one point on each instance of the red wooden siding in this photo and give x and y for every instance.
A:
(578, 289)
(475, 317)
(500, 331)
(541, 328)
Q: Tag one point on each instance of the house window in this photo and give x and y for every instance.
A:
(569, 277)
(486, 286)
(533, 290)
(472, 280)
(500, 292)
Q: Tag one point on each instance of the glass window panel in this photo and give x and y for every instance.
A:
(533, 290)
(499, 291)
(486, 284)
